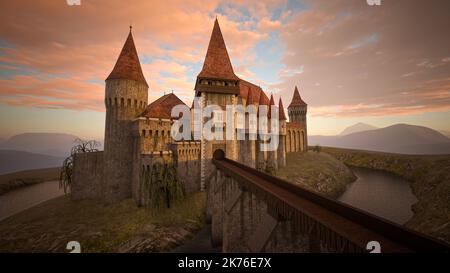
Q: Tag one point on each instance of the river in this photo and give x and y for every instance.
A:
(380, 193)
(26, 197)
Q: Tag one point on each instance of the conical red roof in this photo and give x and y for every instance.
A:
(128, 66)
(296, 99)
(271, 102)
(217, 63)
(263, 99)
(281, 110)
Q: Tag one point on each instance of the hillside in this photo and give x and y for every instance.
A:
(120, 227)
(13, 161)
(12, 181)
(430, 182)
(318, 172)
(358, 127)
(41, 143)
(399, 138)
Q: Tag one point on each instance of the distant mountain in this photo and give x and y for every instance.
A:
(13, 161)
(42, 143)
(358, 127)
(398, 138)
(445, 133)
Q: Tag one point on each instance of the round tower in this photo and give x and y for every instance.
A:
(126, 96)
(297, 110)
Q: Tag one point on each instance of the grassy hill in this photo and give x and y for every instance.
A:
(15, 180)
(430, 182)
(121, 227)
(318, 172)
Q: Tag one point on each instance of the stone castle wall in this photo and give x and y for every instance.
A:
(146, 162)
(154, 134)
(187, 156)
(87, 176)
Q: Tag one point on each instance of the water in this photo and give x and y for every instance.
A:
(380, 193)
(27, 197)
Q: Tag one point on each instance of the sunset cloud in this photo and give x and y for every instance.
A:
(348, 59)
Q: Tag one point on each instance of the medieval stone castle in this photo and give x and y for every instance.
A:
(138, 134)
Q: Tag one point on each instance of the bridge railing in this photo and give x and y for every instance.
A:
(337, 225)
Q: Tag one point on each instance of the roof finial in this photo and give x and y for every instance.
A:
(131, 26)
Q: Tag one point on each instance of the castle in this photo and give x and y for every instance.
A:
(138, 134)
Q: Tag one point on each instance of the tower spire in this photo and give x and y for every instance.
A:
(281, 110)
(217, 63)
(128, 66)
(296, 99)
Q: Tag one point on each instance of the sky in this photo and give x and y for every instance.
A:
(352, 62)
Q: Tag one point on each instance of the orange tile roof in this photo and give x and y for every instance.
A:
(249, 91)
(162, 107)
(296, 99)
(128, 66)
(217, 63)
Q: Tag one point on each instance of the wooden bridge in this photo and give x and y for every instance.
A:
(251, 211)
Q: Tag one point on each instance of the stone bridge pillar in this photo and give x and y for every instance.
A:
(243, 222)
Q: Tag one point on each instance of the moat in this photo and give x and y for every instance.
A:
(377, 192)
(380, 193)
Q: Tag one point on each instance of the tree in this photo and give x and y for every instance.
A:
(317, 148)
(82, 146)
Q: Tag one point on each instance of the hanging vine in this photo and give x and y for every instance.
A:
(161, 185)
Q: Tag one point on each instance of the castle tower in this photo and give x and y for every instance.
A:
(216, 85)
(272, 156)
(297, 110)
(126, 96)
(282, 146)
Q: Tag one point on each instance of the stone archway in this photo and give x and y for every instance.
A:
(304, 147)
(290, 141)
(219, 154)
(294, 142)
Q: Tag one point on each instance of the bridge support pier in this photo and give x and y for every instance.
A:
(241, 221)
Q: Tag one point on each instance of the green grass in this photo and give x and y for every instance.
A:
(318, 172)
(430, 181)
(15, 180)
(99, 227)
